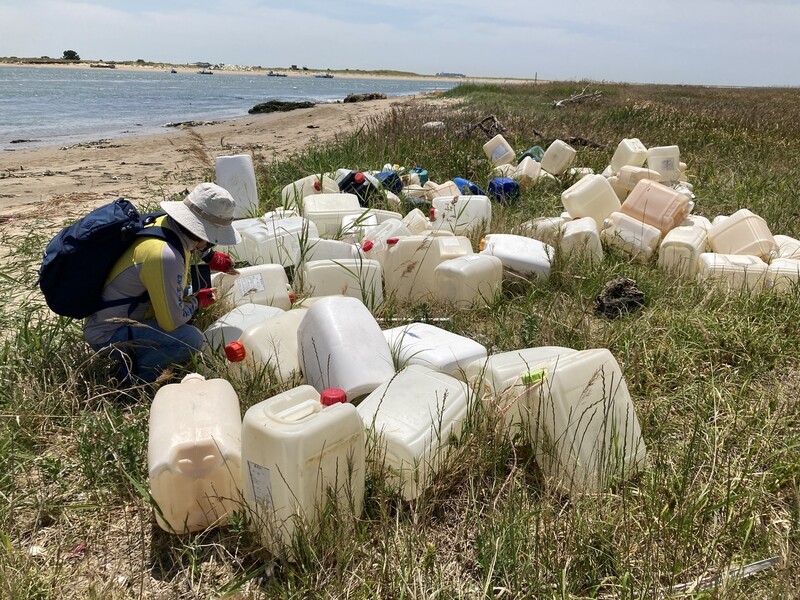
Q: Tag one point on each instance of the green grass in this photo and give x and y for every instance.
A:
(713, 376)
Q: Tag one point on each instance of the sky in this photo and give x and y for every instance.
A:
(707, 42)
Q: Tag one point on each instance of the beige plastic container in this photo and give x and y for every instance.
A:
(448, 188)
(325, 249)
(293, 194)
(270, 345)
(194, 453)
(236, 174)
(693, 220)
(409, 263)
(637, 239)
(231, 325)
(630, 151)
(410, 420)
(461, 214)
(507, 379)
(434, 348)
(544, 229)
(783, 275)
(558, 157)
(357, 278)
(374, 244)
(680, 250)
(277, 241)
(499, 151)
(522, 255)
(619, 190)
(591, 196)
(718, 220)
(788, 247)
(743, 232)
(416, 221)
(258, 284)
(327, 210)
(297, 454)
(527, 172)
(656, 205)
(355, 227)
(468, 280)
(666, 160)
(506, 170)
(581, 238)
(628, 176)
(736, 272)
(341, 345)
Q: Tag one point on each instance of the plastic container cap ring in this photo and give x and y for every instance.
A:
(331, 396)
(235, 352)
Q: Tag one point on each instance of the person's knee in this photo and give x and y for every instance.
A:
(192, 337)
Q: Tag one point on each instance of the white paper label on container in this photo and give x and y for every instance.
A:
(250, 284)
(260, 480)
(499, 152)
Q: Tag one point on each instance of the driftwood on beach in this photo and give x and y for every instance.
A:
(278, 106)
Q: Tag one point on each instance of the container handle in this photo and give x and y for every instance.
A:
(299, 411)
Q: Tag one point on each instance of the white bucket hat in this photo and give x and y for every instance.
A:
(207, 212)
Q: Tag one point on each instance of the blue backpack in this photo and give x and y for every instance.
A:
(77, 261)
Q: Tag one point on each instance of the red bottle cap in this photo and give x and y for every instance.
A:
(432, 215)
(292, 298)
(316, 185)
(367, 246)
(331, 396)
(392, 241)
(235, 352)
(359, 178)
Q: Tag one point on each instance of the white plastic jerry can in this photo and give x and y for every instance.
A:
(544, 229)
(735, 272)
(499, 151)
(694, 220)
(327, 210)
(591, 196)
(448, 188)
(507, 379)
(523, 255)
(229, 327)
(461, 214)
(270, 345)
(581, 238)
(637, 239)
(783, 274)
(583, 424)
(526, 172)
(194, 453)
(259, 284)
(656, 205)
(680, 250)
(743, 232)
(788, 247)
(468, 280)
(416, 221)
(236, 174)
(301, 449)
(558, 157)
(354, 277)
(630, 151)
(277, 241)
(293, 193)
(433, 347)
(410, 420)
(666, 161)
(629, 176)
(325, 249)
(341, 345)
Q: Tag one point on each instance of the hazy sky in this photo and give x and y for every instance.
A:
(732, 42)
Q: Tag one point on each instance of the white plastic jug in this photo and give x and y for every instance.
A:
(448, 188)
(258, 284)
(229, 327)
(194, 453)
(558, 157)
(236, 174)
(523, 255)
(788, 247)
(694, 220)
(527, 172)
(468, 280)
(416, 221)
(327, 211)
(461, 214)
(499, 151)
(293, 193)
(581, 238)
(735, 272)
(506, 379)
(637, 239)
(325, 249)
(666, 161)
(270, 345)
(743, 232)
(628, 176)
(356, 226)
(341, 345)
(299, 450)
(783, 275)
(656, 205)
(278, 241)
(506, 170)
(544, 229)
(410, 420)
(630, 151)
(592, 196)
(680, 250)
(434, 348)
(354, 277)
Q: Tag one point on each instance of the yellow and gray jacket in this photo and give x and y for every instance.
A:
(153, 266)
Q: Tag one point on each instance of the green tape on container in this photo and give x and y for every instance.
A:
(533, 377)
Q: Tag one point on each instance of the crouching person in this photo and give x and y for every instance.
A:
(147, 307)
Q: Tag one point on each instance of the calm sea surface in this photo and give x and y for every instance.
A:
(55, 106)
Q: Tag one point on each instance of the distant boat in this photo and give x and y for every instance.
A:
(274, 74)
(324, 76)
(205, 72)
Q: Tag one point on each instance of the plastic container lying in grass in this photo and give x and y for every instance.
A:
(230, 326)
(499, 151)
(469, 280)
(657, 205)
(680, 250)
(259, 284)
(591, 196)
(743, 232)
(523, 255)
(637, 239)
(461, 214)
(735, 272)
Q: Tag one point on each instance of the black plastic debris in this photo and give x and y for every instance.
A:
(619, 297)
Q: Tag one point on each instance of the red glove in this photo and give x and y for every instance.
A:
(205, 297)
(221, 262)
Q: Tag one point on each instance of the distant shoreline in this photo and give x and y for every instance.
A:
(260, 71)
